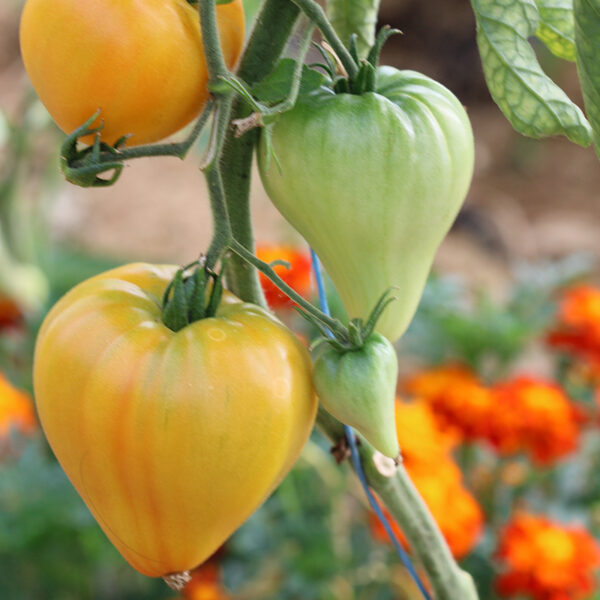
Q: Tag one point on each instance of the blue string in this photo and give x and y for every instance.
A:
(351, 437)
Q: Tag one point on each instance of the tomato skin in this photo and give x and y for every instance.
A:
(140, 61)
(172, 439)
(358, 387)
(373, 182)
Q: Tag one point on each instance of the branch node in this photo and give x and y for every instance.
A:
(244, 125)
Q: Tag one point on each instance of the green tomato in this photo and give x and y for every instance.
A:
(358, 387)
(373, 182)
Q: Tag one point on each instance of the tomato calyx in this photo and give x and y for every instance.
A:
(193, 294)
(365, 79)
(357, 332)
(82, 166)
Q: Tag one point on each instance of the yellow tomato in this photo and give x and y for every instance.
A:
(140, 61)
(172, 439)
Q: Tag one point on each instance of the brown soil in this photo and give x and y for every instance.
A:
(529, 200)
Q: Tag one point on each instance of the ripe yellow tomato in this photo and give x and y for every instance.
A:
(140, 61)
(172, 439)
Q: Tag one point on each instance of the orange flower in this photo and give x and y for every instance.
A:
(298, 276)
(205, 584)
(10, 313)
(458, 398)
(546, 560)
(578, 328)
(533, 416)
(522, 415)
(16, 410)
(426, 456)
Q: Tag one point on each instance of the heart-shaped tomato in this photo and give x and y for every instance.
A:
(373, 182)
(172, 439)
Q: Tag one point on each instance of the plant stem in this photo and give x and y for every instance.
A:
(272, 29)
(215, 62)
(176, 149)
(212, 172)
(333, 324)
(318, 16)
(406, 506)
(217, 68)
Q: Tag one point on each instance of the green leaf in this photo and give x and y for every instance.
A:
(557, 27)
(355, 17)
(529, 99)
(587, 39)
(276, 86)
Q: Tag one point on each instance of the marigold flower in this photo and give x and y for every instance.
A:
(426, 455)
(460, 401)
(545, 560)
(298, 276)
(578, 328)
(533, 416)
(16, 409)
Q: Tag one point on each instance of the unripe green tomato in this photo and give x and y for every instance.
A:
(373, 182)
(358, 387)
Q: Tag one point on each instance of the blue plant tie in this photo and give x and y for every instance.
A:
(351, 437)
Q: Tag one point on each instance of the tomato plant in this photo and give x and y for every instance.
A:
(140, 62)
(373, 182)
(171, 438)
(175, 419)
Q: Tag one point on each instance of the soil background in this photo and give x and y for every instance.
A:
(530, 200)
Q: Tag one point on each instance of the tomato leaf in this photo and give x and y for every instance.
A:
(557, 27)
(587, 39)
(529, 99)
(276, 86)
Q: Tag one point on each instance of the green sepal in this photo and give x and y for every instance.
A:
(353, 48)
(175, 309)
(197, 295)
(365, 80)
(216, 294)
(82, 167)
(385, 33)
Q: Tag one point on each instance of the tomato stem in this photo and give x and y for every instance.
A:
(333, 324)
(213, 52)
(401, 498)
(267, 41)
(316, 14)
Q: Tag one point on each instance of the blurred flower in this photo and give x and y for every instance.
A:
(205, 584)
(533, 416)
(460, 401)
(16, 410)
(524, 414)
(544, 560)
(298, 276)
(10, 313)
(578, 328)
(426, 456)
